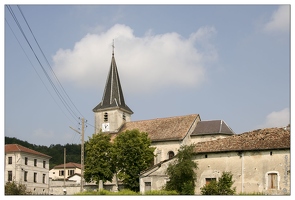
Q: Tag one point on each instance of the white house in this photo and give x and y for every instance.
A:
(28, 167)
(59, 172)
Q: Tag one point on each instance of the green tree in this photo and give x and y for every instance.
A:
(11, 188)
(98, 162)
(181, 172)
(220, 187)
(133, 154)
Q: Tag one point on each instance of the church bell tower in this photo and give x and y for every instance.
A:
(112, 112)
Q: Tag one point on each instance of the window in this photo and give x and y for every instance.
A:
(35, 162)
(71, 172)
(25, 176)
(170, 154)
(147, 186)
(35, 177)
(208, 180)
(61, 172)
(44, 177)
(105, 117)
(124, 117)
(26, 160)
(44, 164)
(9, 175)
(272, 181)
(9, 160)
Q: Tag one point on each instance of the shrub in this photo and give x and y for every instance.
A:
(221, 187)
(161, 192)
(11, 188)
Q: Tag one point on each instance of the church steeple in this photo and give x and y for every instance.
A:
(112, 100)
(113, 93)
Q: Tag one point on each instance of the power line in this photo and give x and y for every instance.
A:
(60, 96)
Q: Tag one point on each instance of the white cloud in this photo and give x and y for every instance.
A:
(280, 20)
(277, 119)
(150, 62)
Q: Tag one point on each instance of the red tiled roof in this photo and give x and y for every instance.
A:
(19, 148)
(171, 128)
(261, 139)
(68, 165)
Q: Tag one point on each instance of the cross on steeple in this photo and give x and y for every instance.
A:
(113, 45)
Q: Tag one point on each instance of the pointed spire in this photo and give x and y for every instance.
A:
(113, 94)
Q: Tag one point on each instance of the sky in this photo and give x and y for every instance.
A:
(225, 62)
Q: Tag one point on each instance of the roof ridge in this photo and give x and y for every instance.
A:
(164, 118)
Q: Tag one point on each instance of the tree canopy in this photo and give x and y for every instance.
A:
(181, 172)
(132, 154)
(98, 162)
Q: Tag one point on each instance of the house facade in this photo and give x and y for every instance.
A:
(28, 167)
(59, 172)
(259, 161)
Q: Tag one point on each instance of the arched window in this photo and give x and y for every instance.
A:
(105, 117)
(170, 154)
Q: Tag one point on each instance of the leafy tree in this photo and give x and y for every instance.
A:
(181, 172)
(133, 154)
(11, 188)
(98, 163)
(220, 187)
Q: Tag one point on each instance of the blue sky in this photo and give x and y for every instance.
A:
(228, 62)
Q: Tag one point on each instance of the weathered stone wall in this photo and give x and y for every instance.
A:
(250, 170)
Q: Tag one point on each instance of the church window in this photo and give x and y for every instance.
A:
(170, 154)
(106, 117)
(124, 117)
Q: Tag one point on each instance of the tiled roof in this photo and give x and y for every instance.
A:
(212, 127)
(171, 128)
(18, 148)
(68, 165)
(261, 139)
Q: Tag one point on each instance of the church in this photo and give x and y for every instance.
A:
(218, 148)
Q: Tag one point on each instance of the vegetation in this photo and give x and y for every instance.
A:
(55, 151)
(106, 192)
(161, 192)
(132, 154)
(220, 187)
(11, 188)
(98, 163)
(182, 171)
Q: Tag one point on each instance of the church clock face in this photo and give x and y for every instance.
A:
(105, 127)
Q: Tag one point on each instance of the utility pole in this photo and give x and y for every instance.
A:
(64, 190)
(82, 152)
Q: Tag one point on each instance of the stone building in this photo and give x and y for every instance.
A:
(28, 167)
(259, 161)
(113, 116)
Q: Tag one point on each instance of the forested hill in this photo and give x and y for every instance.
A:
(73, 151)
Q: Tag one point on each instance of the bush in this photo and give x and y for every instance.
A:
(106, 192)
(221, 187)
(161, 192)
(11, 188)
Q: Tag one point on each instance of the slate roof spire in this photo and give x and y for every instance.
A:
(113, 94)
